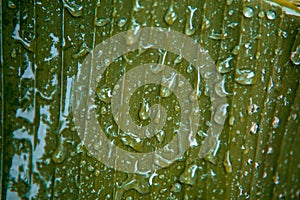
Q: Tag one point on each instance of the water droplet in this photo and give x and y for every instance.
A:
(206, 23)
(236, 50)
(189, 27)
(295, 56)
(189, 69)
(271, 15)
(224, 65)
(103, 110)
(254, 128)
(170, 82)
(195, 95)
(231, 120)
(245, 77)
(220, 89)
(189, 175)
(137, 6)
(144, 112)
(13, 53)
(82, 52)
(170, 16)
(227, 163)
(74, 9)
(176, 187)
(104, 93)
(165, 92)
(11, 5)
(229, 2)
(121, 22)
(59, 155)
(178, 59)
(221, 113)
(261, 14)
(275, 122)
(160, 136)
(133, 33)
(248, 12)
(101, 21)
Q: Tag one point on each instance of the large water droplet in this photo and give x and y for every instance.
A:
(295, 56)
(170, 16)
(220, 89)
(271, 15)
(74, 9)
(144, 112)
(245, 77)
(248, 12)
(189, 175)
(189, 27)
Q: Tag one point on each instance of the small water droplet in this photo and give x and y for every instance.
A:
(59, 155)
(74, 9)
(189, 175)
(121, 22)
(176, 187)
(227, 163)
(13, 53)
(82, 52)
(275, 122)
(224, 65)
(206, 23)
(254, 128)
(248, 12)
(189, 69)
(178, 59)
(144, 112)
(160, 136)
(11, 5)
(295, 56)
(165, 92)
(245, 77)
(231, 120)
(261, 14)
(133, 33)
(221, 113)
(104, 93)
(236, 50)
(229, 2)
(101, 22)
(103, 110)
(195, 95)
(271, 15)
(170, 16)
